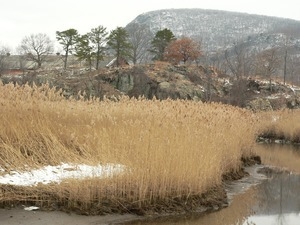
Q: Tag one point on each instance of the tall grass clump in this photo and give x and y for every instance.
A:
(281, 124)
(174, 150)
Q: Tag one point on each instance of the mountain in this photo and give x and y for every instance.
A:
(220, 29)
(239, 44)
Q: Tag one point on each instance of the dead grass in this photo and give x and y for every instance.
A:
(174, 150)
(281, 124)
(281, 156)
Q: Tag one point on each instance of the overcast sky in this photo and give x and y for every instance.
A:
(20, 18)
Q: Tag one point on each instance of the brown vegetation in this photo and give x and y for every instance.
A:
(283, 157)
(281, 124)
(182, 50)
(174, 150)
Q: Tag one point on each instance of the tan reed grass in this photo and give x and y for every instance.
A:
(281, 156)
(172, 149)
(281, 124)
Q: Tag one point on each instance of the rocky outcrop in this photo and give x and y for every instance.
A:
(163, 80)
(150, 81)
(259, 104)
(273, 96)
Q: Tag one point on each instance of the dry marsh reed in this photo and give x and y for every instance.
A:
(281, 124)
(281, 156)
(172, 149)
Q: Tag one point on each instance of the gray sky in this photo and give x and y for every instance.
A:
(20, 18)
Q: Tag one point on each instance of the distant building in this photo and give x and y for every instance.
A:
(113, 62)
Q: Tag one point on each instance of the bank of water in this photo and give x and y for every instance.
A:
(270, 195)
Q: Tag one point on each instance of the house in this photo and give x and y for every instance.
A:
(113, 63)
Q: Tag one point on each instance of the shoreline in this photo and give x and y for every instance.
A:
(214, 200)
(17, 215)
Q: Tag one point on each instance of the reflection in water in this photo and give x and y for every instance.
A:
(279, 201)
(286, 219)
(275, 200)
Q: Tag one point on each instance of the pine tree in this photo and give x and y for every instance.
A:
(68, 40)
(160, 42)
(118, 42)
(98, 38)
(83, 50)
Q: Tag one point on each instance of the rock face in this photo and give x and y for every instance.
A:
(125, 82)
(162, 81)
(260, 104)
(150, 81)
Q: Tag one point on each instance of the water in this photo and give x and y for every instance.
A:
(263, 198)
(278, 201)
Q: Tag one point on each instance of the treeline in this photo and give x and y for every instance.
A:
(135, 44)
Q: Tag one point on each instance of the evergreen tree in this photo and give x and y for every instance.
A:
(68, 40)
(83, 50)
(98, 38)
(160, 42)
(118, 41)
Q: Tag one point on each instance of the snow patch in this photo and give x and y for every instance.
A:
(31, 208)
(55, 174)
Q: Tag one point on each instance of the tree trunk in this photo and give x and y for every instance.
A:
(66, 60)
(284, 69)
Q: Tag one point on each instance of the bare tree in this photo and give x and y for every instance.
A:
(140, 39)
(287, 51)
(239, 60)
(37, 47)
(285, 61)
(215, 59)
(21, 59)
(293, 69)
(4, 54)
(268, 63)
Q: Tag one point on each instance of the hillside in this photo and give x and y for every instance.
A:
(218, 29)
(162, 81)
(243, 36)
(234, 42)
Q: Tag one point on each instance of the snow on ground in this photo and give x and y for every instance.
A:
(56, 174)
(31, 208)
